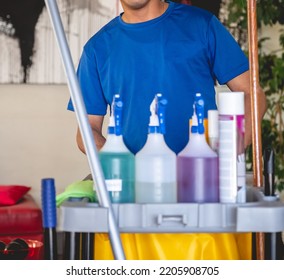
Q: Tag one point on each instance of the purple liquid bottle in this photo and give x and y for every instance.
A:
(197, 163)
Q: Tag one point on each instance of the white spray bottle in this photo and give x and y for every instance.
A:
(155, 163)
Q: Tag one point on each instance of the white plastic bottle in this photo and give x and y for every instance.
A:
(213, 129)
(155, 163)
(197, 163)
(231, 147)
(117, 161)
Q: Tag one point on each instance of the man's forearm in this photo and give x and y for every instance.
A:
(98, 138)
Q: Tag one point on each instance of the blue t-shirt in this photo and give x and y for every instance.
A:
(177, 54)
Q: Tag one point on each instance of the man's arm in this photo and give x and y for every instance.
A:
(242, 83)
(96, 123)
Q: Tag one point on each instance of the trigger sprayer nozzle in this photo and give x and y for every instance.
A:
(154, 122)
(161, 109)
(115, 116)
(198, 115)
(157, 118)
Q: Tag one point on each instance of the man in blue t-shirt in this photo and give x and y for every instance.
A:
(159, 47)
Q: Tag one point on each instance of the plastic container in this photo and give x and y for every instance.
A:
(232, 168)
(213, 130)
(118, 163)
(197, 163)
(155, 163)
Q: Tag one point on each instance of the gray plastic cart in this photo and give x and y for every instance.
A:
(259, 214)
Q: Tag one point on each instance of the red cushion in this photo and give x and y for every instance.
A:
(10, 195)
(24, 217)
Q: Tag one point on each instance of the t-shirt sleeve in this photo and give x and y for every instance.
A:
(90, 85)
(227, 58)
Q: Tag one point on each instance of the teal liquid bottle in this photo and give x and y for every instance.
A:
(118, 163)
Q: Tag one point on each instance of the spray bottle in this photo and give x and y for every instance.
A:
(118, 163)
(197, 163)
(155, 163)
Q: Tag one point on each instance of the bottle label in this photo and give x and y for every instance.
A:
(231, 158)
(114, 185)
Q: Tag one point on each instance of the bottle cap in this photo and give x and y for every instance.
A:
(213, 128)
(231, 103)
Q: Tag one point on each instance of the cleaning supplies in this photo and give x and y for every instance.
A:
(197, 163)
(118, 163)
(155, 163)
(231, 147)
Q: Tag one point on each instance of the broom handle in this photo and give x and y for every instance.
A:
(89, 143)
(256, 125)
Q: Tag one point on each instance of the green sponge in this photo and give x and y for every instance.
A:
(78, 189)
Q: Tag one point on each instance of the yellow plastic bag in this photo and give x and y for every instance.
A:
(178, 246)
